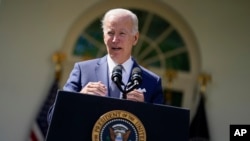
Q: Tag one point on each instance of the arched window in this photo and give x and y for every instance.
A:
(166, 43)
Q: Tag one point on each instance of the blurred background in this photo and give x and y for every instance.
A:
(180, 40)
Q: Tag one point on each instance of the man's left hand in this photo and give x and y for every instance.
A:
(136, 95)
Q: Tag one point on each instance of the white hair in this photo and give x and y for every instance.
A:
(124, 11)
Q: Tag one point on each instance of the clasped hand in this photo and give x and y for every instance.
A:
(98, 88)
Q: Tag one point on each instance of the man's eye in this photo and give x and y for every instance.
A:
(110, 33)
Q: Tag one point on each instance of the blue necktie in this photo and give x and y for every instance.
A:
(114, 90)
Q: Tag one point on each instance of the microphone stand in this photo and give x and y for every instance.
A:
(128, 88)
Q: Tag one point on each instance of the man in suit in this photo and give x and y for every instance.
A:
(120, 32)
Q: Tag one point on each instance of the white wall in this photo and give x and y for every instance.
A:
(223, 32)
(31, 31)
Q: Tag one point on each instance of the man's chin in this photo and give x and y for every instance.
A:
(117, 58)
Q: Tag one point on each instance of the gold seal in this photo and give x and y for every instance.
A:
(118, 125)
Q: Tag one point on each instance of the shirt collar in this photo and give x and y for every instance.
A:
(127, 65)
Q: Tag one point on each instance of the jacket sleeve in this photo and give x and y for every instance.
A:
(73, 83)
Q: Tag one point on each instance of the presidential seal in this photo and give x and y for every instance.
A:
(118, 125)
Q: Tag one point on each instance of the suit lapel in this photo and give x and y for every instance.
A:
(102, 71)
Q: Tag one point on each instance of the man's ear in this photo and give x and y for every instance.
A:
(136, 37)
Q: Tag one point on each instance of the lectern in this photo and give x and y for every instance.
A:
(83, 117)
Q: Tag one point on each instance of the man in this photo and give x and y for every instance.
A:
(120, 32)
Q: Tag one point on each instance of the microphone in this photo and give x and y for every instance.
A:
(136, 80)
(136, 76)
(117, 77)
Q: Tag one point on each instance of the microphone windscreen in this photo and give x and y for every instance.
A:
(117, 68)
(136, 75)
(117, 73)
(136, 70)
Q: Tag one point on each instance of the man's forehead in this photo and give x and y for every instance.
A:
(118, 20)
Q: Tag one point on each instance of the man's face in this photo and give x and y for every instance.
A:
(118, 37)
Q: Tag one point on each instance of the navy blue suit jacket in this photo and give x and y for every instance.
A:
(97, 70)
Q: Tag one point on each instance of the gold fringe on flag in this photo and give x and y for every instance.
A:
(203, 80)
(58, 58)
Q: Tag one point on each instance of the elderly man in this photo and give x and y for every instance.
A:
(120, 32)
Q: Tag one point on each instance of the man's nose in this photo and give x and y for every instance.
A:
(115, 38)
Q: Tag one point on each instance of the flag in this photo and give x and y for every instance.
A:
(199, 127)
(40, 125)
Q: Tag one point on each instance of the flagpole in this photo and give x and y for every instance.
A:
(40, 125)
(199, 130)
(57, 59)
(170, 75)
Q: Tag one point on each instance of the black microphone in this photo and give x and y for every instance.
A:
(117, 76)
(136, 80)
(136, 76)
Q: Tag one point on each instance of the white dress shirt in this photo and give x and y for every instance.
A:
(127, 66)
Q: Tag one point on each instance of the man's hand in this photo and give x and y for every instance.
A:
(135, 95)
(95, 88)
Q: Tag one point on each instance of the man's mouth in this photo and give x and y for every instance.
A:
(116, 48)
